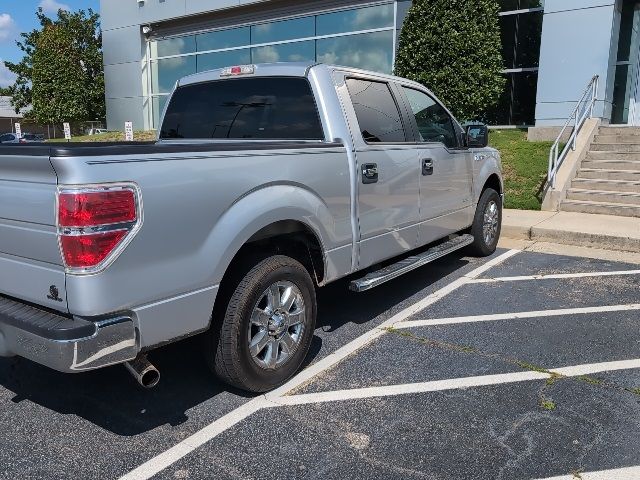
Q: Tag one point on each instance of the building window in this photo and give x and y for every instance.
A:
(356, 37)
(521, 33)
(626, 91)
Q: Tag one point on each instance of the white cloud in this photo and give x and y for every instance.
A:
(6, 77)
(266, 55)
(52, 7)
(7, 27)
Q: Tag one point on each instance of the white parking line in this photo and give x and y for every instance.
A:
(556, 276)
(174, 454)
(516, 315)
(591, 368)
(453, 383)
(188, 445)
(629, 473)
(340, 354)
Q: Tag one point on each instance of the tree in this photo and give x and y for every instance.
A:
(453, 47)
(61, 75)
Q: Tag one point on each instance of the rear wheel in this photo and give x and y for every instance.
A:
(267, 327)
(487, 224)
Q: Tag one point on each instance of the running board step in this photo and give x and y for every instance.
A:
(390, 272)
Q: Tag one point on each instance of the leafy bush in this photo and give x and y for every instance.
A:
(453, 47)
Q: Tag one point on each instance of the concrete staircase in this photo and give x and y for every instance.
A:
(608, 180)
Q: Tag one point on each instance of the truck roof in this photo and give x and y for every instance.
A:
(283, 69)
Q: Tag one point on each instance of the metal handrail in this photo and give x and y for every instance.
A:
(583, 111)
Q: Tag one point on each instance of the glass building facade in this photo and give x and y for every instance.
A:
(521, 34)
(363, 37)
(358, 37)
(626, 71)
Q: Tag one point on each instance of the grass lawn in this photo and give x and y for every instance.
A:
(140, 136)
(524, 166)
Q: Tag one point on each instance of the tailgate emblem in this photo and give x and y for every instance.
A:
(54, 294)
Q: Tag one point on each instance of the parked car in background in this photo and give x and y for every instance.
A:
(32, 137)
(97, 131)
(26, 138)
(267, 182)
(9, 138)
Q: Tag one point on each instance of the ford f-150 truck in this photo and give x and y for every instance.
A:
(266, 182)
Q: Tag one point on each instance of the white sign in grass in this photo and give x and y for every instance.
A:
(18, 130)
(128, 131)
(67, 131)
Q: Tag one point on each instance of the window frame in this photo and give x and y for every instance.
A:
(457, 128)
(394, 95)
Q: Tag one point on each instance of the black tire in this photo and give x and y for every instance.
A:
(480, 247)
(228, 348)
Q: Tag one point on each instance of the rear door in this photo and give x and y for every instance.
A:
(388, 175)
(30, 262)
(446, 170)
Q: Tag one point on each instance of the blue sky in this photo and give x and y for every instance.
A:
(18, 16)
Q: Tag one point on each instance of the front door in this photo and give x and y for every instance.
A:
(388, 172)
(446, 177)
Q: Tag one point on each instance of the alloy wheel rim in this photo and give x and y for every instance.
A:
(491, 222)
(277, 322)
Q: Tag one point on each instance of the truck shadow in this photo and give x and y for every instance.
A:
(110, 398)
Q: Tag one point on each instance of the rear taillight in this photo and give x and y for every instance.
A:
(95, 223)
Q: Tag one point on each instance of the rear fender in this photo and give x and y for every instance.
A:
(261, 208)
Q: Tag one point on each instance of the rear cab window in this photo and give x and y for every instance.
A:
(376, 111)
(264, 108)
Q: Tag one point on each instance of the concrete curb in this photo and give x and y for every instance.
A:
(570, 228)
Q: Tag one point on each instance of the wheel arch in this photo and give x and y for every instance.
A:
(494, 182)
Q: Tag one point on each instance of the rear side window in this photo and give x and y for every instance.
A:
(270, 108)
(376, 110)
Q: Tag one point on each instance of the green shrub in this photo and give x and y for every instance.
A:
(453, 47)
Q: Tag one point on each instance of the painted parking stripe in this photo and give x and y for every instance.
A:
(408, 388)
(557, 276)
(182, 449)
(452, 384)
(516, 315)
(629, 473)
(333, 359)
(591, 368)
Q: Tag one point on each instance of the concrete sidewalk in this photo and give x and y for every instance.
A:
(582, 229)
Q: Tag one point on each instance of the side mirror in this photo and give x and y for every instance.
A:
(477, 136)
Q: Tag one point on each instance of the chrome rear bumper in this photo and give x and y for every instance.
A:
(62, 343)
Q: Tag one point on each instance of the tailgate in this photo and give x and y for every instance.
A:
(30, 263)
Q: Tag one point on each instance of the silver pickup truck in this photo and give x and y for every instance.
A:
(266, 182)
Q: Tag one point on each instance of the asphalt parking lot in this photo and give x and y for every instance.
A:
(523, 365)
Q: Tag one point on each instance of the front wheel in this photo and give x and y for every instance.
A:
(487, 224)
(267, 327)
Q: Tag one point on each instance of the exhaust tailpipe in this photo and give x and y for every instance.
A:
(145, 374)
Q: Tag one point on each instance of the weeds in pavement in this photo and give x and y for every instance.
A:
(547, 404)
(544, 402)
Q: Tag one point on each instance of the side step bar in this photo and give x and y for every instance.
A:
(390, 272)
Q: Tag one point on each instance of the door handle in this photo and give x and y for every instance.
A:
(427, 166)
(369, 173)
